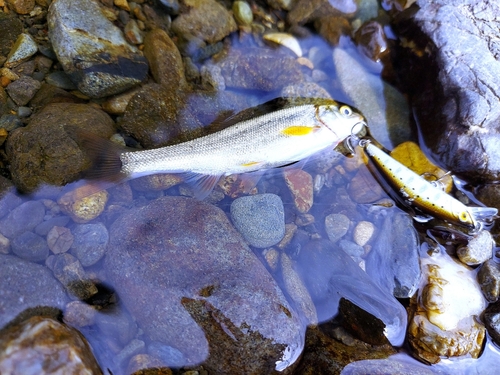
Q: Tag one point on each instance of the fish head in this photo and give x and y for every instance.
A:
(342, 120)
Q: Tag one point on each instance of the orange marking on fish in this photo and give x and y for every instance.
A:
(299, 130)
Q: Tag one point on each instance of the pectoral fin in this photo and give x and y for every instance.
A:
(201, 184)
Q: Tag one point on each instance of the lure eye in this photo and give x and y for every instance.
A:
(345, 110)
(463, 217)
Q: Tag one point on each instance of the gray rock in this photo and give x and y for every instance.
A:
(387, 367)
(456, 83)
(10, 122)
(167, 354)
(90, 243)
(43, 228)
(200, 286)
(117, 324)
(24, 112)
(393, 261)
(132, 348)
(385, 108)
(93, 51)
(305, 11)
(30, 246)
(259, 218)
(23, 218)
(60, 79)
(488, 278)
(23, 89)
(24, 285)
(478, 250)
(23, 49)
(336, 226)
(352, 249)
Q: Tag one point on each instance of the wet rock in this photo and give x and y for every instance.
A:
(491, 319)
(445, 311)
(305, 90)
(79, 314)
(297, 291)
(50, 94)
(59, 239)
(204, 19)
(456, 91)
(10, 29)
(68, 270)
(3, 103)
(43, 345)
(200, 283)
(488, 278)
(133, 348)
(156, 182)
(23, 49)
(363, 232)
(164, 59)
(305, 11)
(259, 218)
(385, 108)
(478, 250)
(83, 210)
(21, 6)
(336, 226)
(300, 184)
(23, 90)
(352, 249)
(116, 105)
(30, 246)
(242, 13)
(393, 261)
(92, 50)
(325, 355)
(329, 274)
(43, 152)
(23, 218)
(144, 362)
(387, 367)
(90, 243)
(61, 80)
(4, 245)
(117, 324)
(44, 227)
(259, 69)
(133, 33)
(372, 42)
(363, 188)
(332, 28)
(24, 285)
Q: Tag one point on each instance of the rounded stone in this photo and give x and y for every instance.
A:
(336, 226)
(90, 243)
(30, 246)
(363, 232)
(260, 219)
(242, 13)
(23, 218)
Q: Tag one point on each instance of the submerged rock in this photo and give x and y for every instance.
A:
(42, 345)
(453, 52)
(93, 51)
(200, 287)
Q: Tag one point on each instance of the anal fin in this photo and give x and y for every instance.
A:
(201, 184)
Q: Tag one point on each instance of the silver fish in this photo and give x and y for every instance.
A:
(296, 130)
(424, 195)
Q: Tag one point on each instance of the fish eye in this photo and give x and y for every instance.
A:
(345, 110)
(463, 217)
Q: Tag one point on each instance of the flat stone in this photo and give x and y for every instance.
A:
(44, 345)
(363, 232)
(23, 49)
(336, 226)
(93, 51)
(259, 218)
(90, 241)
(23, 218)
(30, 246)
(300, 184)
(488, 278)
(23, 90)
(59, 239)
(478, 250)
(10, 29)
(26, 285)
(200, 287)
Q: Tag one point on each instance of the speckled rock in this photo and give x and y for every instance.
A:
(259, 218)
(478, 249)
(304, 11)
(23, 49)
(10, 29)
(26, 285)
(79, 314)
(156, 182)
(59, 239)
(43, 152)
(21, 6)
(23, 218)
(198, 295)
(83, 210)
(90, 243)
(23, 90)
(43, 345)
(336, 226)
(300, 184)
(80, 32)
(363, 232)
(204, 19)
(30, 246)
(488, 278)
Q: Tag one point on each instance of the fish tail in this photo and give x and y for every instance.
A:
(104, 155)
(483, 213)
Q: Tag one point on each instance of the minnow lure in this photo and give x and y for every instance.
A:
(423, 194)
(275, 134)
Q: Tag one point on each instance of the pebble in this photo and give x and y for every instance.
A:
(133, 33)
(9, 74)
(336, 226)
(167, 354)
(90, 241)
(242, 13)
(363, 232)
(156, 182)
(350, 248)
(85, 209)
(44, 227)
(478, 250)
(272, 257)
(4, 245)
(69, 271)
(24, 112)
(79, 314)
(23, 49)
(23, 90)
(59, 239)
(116, 105)
(122, 4)
(10, 29)
(31, 247)
(300, 184)
(10, 122)
(488, 278)
(259, 218)
(22, 218)
(134, 347)
(145, 362)
(60, 79)
(117, 324)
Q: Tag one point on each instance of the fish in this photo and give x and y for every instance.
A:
(256, 140)
(424, 195)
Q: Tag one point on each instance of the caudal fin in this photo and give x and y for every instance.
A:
(483, 213)
(104, 155)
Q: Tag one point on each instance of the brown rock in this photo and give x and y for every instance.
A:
(300, 184)
(156, 182)
(21, 6)
(144, 364)
(10, 28)
(305, 11)
(363, 188)
(43, 153)
(332, 28)
(164, 59)
(45, 346)
(84, 209)
(59, 239)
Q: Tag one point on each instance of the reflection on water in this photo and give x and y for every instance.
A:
(153, 277)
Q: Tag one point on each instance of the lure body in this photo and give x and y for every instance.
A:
(423, 194)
